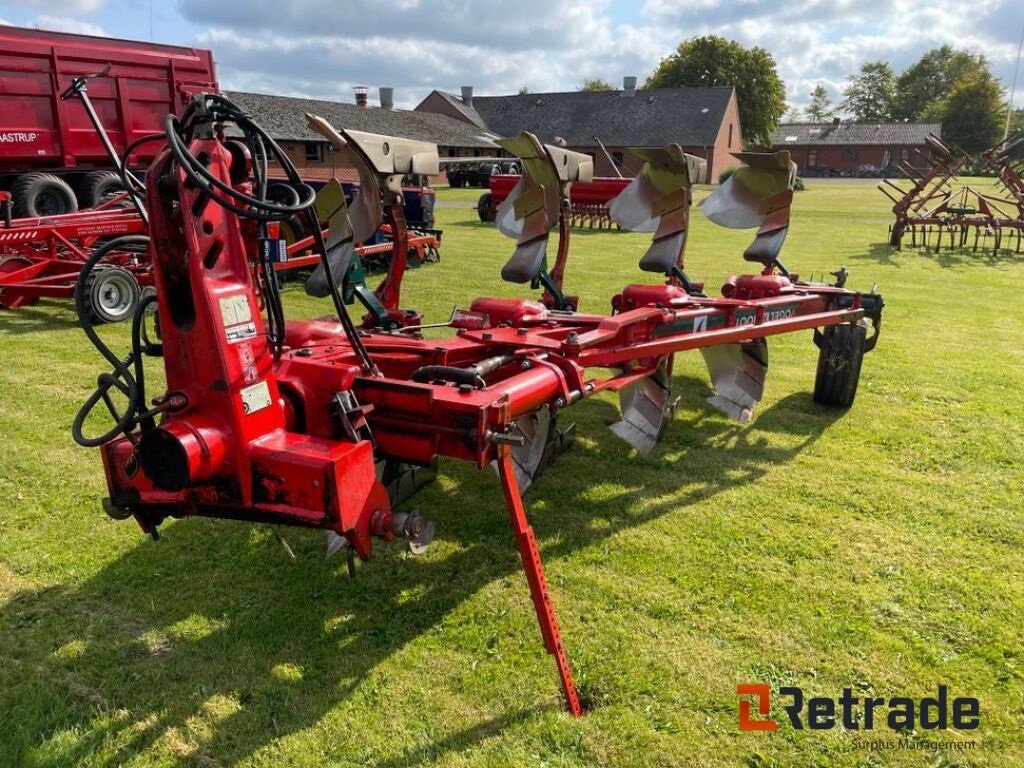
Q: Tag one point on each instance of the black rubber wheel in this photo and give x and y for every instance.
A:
(111, 294)
(98, 187)
(42, 194)
(839, 362)
(483, 207)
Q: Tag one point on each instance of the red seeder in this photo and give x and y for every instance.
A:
(331, 425)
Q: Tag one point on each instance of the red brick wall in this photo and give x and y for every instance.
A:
(729, 140)
(439, 105)
(847, 158)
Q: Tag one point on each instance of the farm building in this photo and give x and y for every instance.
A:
(704, 121)
(848, 148)
(283, 118)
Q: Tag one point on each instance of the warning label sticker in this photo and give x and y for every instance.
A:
(256, 397)
(235, 309)
(240, 332)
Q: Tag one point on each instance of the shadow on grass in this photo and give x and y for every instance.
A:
(53, 315)
(888, 255)
(133, 673)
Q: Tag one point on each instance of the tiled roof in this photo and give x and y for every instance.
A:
(467, 111)
(283, 117)
(802, 134)
(655, 117)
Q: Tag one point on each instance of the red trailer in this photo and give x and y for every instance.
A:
(589, 199)
(51, 159)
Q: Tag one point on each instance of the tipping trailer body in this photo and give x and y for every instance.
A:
(41, 133)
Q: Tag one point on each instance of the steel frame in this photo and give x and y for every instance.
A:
(295, 438)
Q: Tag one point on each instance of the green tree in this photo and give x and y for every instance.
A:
(930, 79)
(973, 113)
(1017, 122)
(712, 60)
(868, 96)
(820, 108)
(793, 115)
(595, 84)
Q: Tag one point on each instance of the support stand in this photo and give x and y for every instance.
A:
(534, 570)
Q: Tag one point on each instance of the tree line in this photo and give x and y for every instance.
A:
(949, 86)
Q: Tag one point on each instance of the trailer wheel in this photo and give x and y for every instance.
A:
(42, 194)
(839, 362)
(483, 207)
(100, 186)
(111, 294)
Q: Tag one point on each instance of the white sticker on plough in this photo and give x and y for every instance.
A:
(256, 397)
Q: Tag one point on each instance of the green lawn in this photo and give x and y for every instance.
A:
(878, 549)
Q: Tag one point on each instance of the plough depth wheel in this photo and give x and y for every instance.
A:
(842, 351)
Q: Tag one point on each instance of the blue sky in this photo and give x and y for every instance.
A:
(322, 48)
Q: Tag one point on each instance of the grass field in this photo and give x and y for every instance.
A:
(877, 549)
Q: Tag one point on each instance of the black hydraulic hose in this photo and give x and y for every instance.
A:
(472, 376)
(122, 376)
(259, 208)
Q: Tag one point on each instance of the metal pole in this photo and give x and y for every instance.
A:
(1009, 104)
(611, 159)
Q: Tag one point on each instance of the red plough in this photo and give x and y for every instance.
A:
(332, 425)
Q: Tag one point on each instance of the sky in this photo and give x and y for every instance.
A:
(322, 48)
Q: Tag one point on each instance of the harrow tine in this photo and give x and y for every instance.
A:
(737, 374)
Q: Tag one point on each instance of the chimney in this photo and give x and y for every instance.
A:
(835, 121)
(387, 97)
(628, 85)
(467, 95)
(361, 98)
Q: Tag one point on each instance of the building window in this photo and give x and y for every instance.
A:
(904, 153)
(812, 158)
(617, 159)
(849, 153)
(314, 152)
(730, 136)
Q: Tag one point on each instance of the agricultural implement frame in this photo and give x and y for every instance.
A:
(332, 425)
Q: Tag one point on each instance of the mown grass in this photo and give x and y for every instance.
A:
(877, 549)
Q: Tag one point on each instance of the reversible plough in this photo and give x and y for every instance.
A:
(333, 423)
(939, 207)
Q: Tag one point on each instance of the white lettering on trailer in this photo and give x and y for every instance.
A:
(18, 137)
(700, 324)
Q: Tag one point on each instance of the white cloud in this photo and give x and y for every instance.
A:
(63, 7)
(324, 47)
(66, 24)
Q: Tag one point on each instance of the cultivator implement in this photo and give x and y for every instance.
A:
(43, 257)
(334, 423)
(939, 210)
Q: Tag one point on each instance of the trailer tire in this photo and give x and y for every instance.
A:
(839, 363)
(42, 194)
(111, 294)
(483, 207)
(98, 186)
